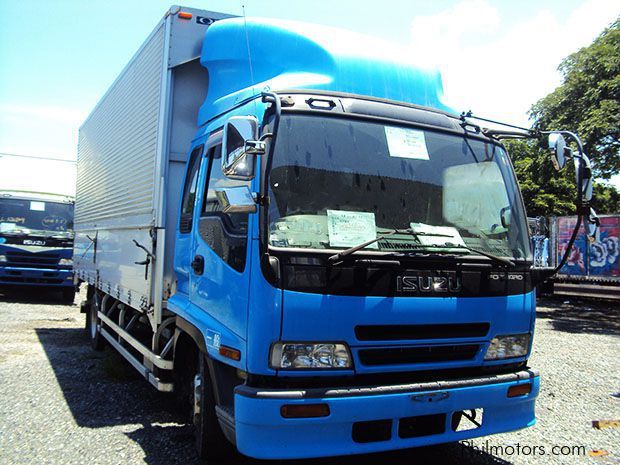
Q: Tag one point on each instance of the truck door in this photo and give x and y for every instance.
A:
(219, 271)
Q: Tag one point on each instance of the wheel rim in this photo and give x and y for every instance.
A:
(93, 321)
(196, 388)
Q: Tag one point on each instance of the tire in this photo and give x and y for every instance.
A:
(68, 295)
(546, 288)
(93, 329)
(211, 443)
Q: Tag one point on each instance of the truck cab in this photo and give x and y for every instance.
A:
(392, 345)
(36, 242)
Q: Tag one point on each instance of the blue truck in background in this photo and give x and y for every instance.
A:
(285, 226)
(36, 242)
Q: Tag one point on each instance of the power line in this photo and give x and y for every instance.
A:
(4, 154)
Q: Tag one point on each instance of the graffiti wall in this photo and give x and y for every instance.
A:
(600, 258)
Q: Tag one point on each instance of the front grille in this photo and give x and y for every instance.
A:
(405, 355)
(410, 332)
(32, 260)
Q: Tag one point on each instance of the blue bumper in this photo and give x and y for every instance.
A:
(262, 432)
(18, 276)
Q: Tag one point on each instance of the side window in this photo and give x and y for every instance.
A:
(189, 191)
(225, 233)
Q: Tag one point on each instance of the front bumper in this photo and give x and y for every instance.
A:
(21, 276)
(262, 432)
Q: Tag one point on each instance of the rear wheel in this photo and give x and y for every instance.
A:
(93, 326)
(210, 441)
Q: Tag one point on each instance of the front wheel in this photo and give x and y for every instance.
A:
(68, 295)
(210, 440)
(93, 325)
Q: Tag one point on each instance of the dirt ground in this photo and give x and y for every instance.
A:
(61, 402)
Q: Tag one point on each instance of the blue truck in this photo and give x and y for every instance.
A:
(284, 225)
(36, 242)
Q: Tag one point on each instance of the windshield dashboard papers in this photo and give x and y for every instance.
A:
(406, 143)
(7, 227)
(37, 206)
(347, 229)
(428, 239)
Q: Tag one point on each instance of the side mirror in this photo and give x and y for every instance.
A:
(505, 215)
(586, 173)
(558, 145)
(592, 225)
(236, 199)
(240, 134)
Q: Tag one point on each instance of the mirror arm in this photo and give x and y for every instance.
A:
(254, 147)
(261, 200)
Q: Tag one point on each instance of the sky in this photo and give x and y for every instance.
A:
(58, 57)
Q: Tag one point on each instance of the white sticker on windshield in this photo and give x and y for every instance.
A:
(37, 206)
(437, 235)
(406, 143)
(7, 227)
(347, 229)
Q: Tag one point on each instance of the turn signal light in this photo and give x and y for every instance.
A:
(185, 15)
(304, 411)
(230, 353)
(519, 390)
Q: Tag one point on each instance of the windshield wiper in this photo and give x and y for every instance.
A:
(337, 257)
(495, 258)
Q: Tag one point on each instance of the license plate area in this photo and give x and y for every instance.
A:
(424, 425)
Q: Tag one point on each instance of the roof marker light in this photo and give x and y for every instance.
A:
(185, 15)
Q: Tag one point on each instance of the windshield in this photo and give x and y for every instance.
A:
(337, 182)
(19, 216)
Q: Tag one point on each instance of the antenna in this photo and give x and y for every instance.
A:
(247, 42)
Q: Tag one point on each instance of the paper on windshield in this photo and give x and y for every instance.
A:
(7, 227)
(428, 239)
(346, 228)
(406, 143)
(37, 206)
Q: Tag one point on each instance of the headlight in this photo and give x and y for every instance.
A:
(515, 345)
(308, 355)
(3, 259)
(65, 261)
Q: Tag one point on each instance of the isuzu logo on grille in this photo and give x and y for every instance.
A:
(429, 283)
(32, 242)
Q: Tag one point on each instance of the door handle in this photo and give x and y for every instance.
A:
(198, 264)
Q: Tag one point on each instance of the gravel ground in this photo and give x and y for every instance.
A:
(62, 403)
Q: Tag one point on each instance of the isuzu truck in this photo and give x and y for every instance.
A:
(36, 242)
(284, 225)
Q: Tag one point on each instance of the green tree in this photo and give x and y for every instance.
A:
(588, 101)
(547, 192)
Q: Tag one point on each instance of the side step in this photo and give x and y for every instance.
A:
(144, 351)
